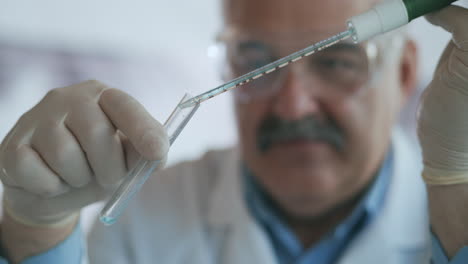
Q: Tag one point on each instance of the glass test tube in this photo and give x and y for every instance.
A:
(144, 168)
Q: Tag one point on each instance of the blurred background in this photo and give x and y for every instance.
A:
(155, 50)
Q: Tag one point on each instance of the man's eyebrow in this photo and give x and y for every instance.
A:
(251, 43)
(257, 44)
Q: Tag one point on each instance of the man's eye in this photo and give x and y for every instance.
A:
(251, 55)
(257, 63)
(252, 61)
(338, 64)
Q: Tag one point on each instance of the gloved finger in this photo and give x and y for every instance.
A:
(32, 174)
(147, 135)
(6, 178)
(61, 151)
(46, 209)
(79, 198)
(453, 19)
(20, 134)
(445, 57)
(98, 139)
(131, 155)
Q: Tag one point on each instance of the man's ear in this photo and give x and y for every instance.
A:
(409, 69)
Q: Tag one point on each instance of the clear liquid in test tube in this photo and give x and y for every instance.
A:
(144, 168)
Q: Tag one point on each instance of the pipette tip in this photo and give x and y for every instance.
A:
(189, 103)
(106, 220)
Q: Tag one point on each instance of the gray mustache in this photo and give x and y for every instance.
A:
(274, 130)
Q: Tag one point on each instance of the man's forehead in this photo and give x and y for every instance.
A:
(289, 16)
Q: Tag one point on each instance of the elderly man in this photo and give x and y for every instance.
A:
(321, 174)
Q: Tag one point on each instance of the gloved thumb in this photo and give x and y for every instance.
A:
(147, 135)
(454, 19)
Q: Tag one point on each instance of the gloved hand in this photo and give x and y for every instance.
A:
(71, 148)
(443, 117)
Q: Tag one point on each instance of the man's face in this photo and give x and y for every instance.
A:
(309, 176)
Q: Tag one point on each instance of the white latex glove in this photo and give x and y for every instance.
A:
(443, 121)
(71, 148)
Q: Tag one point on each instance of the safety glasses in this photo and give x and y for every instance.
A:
(341, 70)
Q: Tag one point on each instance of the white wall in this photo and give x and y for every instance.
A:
(143, 26)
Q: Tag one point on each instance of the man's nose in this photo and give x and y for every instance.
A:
(295, 98)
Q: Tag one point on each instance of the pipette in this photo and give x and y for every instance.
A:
(384, 17)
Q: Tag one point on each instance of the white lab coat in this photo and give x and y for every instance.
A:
(195, 213)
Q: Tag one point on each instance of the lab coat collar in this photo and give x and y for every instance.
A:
(227, 206)
(243, 239)
(400, 233)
